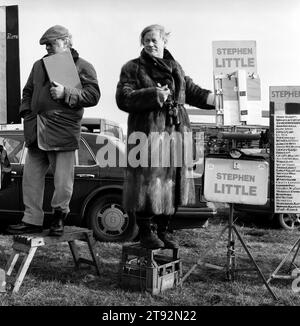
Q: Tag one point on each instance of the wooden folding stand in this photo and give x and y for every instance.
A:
(28, 245)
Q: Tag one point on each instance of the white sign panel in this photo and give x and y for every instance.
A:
(235, 72)
(230, 56)
(236, 181)
(286, 103)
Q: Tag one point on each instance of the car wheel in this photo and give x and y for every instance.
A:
(289, 221)
(109, 222)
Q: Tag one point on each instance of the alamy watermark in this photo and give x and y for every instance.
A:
(158, 149)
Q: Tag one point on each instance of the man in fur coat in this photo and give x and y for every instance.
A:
(153, 90)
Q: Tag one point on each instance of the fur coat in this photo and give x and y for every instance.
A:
(155, 189)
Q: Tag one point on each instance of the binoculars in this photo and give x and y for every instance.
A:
(172, 117)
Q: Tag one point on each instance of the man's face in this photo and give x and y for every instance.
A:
(56, 46)
(154, 44)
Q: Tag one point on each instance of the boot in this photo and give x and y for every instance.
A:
(57, 225)
(148, 238)
(164, 234)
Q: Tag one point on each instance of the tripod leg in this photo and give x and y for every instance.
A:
(199, 261)
(230, 267)
(253, 261)
(295, 255)
(285, 258)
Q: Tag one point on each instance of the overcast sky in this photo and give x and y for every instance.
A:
(106, 33)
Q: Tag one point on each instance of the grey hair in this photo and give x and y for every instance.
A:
(155, 27)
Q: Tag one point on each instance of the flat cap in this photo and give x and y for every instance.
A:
(53, 33)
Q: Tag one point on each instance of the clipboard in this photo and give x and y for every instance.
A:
(61, 68)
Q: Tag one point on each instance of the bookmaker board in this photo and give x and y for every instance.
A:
(285, 148)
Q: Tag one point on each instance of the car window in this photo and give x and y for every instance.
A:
(13, 146)
(84, 155)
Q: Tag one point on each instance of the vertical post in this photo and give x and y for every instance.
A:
(242, 94)
(3, 100)
(12, 65)
(9, 65)
(219, 101)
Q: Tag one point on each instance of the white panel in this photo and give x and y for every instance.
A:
(242, 93)
(236, 181)
(231, 113)
(3, 101)
(2, 19)
(230, 56)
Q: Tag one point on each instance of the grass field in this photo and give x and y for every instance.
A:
(52, 279)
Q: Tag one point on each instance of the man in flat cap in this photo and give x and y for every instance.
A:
(52, 116)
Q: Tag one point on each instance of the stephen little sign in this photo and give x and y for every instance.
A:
(236, 181)
(230, 56)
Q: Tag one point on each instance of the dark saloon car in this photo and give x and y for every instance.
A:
(97, 196)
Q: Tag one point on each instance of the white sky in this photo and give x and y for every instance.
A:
(106, 33)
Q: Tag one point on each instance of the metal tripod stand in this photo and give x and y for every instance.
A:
(230, 263)
(274, 275)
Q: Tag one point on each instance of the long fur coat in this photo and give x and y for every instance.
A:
(155, 189)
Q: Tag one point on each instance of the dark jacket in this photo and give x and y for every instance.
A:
(55, 125)
(148, 189)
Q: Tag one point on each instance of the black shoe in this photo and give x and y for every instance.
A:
(168, 239)
(57, 225)
(24, 228)
(150, 241)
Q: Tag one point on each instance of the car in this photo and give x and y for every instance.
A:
(97, 197)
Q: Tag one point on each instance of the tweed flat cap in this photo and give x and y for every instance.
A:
(53, 33)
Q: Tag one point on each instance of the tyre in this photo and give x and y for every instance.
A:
(288, 221)
(108, 220)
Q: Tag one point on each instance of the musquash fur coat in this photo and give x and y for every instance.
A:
(155, 190)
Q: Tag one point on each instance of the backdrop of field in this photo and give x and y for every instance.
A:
(52, 279)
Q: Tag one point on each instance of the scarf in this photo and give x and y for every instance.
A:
(163, 71)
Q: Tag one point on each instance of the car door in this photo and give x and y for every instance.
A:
(86, 179)
(11, 196)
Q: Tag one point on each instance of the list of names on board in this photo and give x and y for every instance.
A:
(286, 101)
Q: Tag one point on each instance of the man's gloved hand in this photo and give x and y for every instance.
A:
(57, 91)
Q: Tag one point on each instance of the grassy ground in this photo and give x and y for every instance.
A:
(52, 279)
